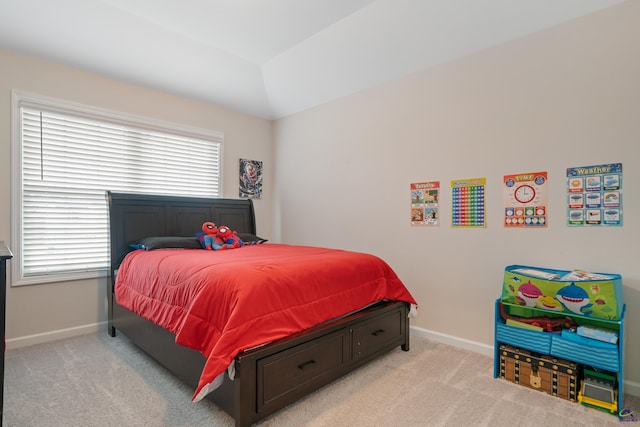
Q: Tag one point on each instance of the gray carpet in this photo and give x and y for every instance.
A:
(95, 380)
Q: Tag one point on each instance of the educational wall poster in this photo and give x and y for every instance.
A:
(468, 204)
(250, 179)
(594, 195)
(425, 197)
(525, 200)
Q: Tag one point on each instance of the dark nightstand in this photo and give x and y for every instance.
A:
(5, 254)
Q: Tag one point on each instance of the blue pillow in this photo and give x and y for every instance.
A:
(251, 239)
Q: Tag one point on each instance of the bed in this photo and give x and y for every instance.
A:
(266, 377)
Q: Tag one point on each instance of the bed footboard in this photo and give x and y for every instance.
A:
(308, 360)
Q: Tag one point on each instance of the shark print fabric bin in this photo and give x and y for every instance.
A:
(567, 292)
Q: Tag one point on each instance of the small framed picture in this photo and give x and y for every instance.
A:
(250, 179)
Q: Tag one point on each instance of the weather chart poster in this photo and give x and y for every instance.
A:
(525, 200)
(424, 203)
(467, 203)
(594, 195)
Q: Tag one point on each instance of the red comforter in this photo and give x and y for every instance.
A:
(224, 302)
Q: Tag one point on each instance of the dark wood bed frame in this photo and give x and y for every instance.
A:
(272, 376)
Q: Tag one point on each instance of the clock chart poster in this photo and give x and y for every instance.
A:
(424, 203)
(525, 200)
(467, 203)
(594, 195)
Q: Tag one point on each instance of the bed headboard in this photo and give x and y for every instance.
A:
(136, 216)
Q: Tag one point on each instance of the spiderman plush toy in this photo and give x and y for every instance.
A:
(210, 239)
(229, 238)
(216, 238)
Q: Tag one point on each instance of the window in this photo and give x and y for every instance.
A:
(65, 156)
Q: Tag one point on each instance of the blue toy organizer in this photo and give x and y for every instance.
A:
(532, 292)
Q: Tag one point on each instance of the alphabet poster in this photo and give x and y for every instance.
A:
(425, 197)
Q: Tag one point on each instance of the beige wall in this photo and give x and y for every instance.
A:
(568, 96)
(42, 309)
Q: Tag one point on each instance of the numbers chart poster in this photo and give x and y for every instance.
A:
(424, 203)
(525, 200)
(594, 195)
(467, 203)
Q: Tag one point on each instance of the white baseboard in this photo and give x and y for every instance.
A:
(477, 347)
(45, 337)
(632, 388)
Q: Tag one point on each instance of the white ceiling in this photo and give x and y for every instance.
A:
(270, 58)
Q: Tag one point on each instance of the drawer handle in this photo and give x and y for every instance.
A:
(378, 332)
(304, 365)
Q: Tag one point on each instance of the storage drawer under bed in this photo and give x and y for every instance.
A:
(306, 366)
(376, 334)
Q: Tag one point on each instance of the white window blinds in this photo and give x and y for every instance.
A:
(69, 158)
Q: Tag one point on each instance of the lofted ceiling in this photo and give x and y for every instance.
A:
(270, 58)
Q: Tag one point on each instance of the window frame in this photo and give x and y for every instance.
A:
(20, 99)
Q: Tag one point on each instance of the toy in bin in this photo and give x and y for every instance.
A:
(597, 333)
(599, 390)
(539, 323)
